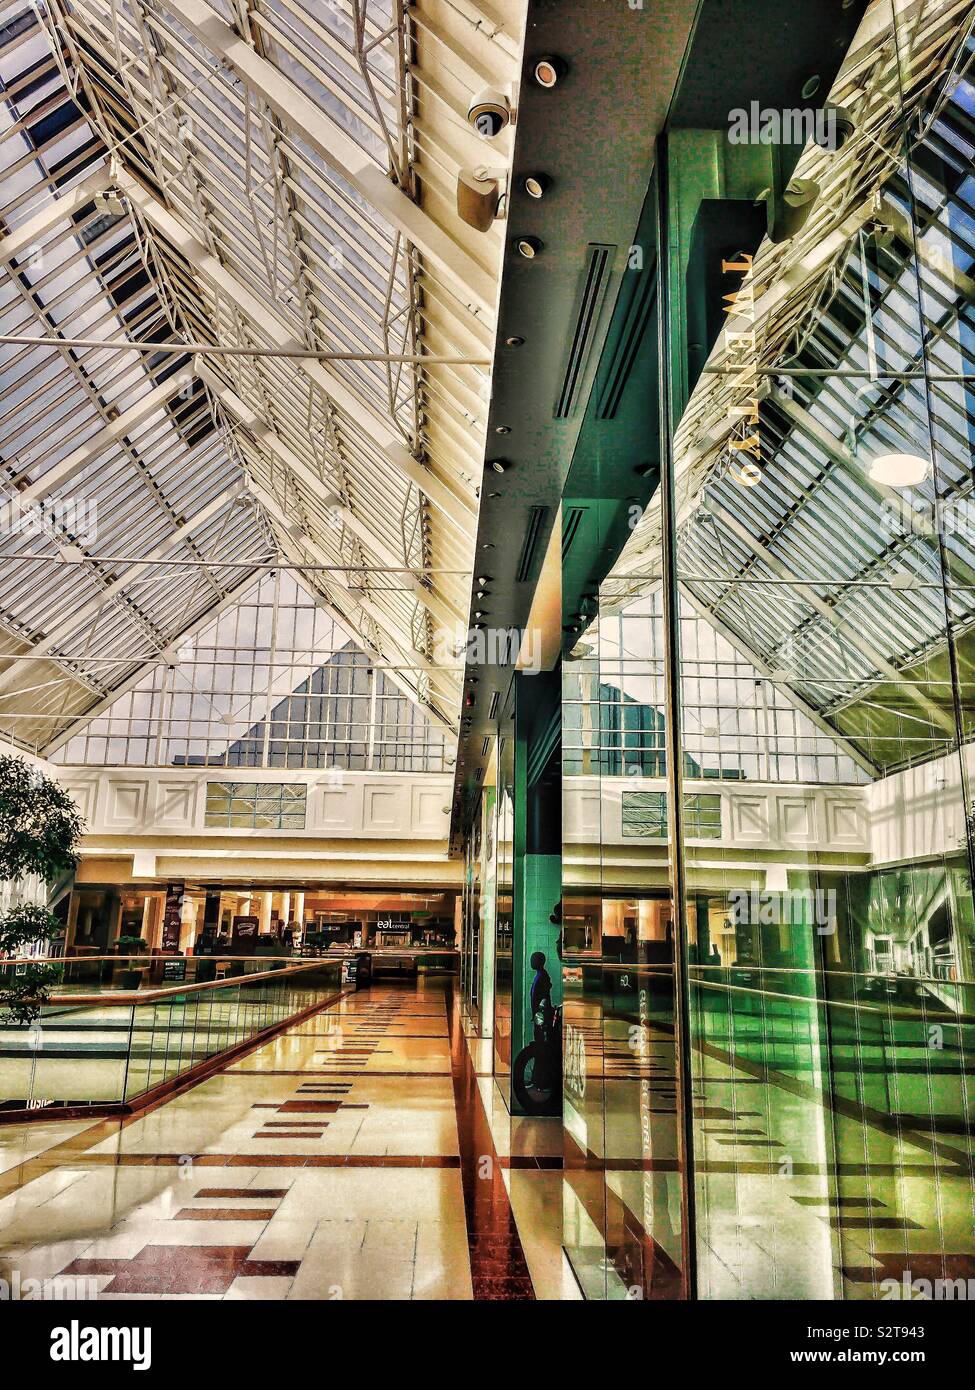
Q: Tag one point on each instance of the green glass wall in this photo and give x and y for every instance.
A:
(820, 565)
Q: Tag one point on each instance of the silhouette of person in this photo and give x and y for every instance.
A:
(541, 989)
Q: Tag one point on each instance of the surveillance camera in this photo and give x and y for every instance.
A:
(834, 128)
(489, 113)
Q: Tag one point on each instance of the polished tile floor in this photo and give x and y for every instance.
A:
(357, 1155)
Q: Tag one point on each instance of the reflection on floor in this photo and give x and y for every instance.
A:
(350, 1157)
(796, 1198)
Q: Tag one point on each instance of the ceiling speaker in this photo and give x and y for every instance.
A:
(477, 199)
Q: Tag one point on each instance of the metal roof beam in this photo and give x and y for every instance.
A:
(765, 671)
(439, 608)
(472, 284)
(446, 679)
(90, 610)
(460, 509)
(846, 629)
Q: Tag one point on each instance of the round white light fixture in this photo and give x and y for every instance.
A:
(899, 470)
(529, 247)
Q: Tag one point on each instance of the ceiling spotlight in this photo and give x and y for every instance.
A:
(513, 342)
(528, 246)
(502, 429)
(536, 185)
(479, 614)
(646, 470)
(499, 465)
(483, 579)
(899, 470)
(549, 71)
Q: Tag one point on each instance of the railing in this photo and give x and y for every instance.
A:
(106, 1045)
(894, 1050)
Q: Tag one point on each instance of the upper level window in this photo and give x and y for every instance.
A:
(645, 814)
(256, 805)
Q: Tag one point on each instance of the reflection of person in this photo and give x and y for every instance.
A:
(541, 990)
(556, 919)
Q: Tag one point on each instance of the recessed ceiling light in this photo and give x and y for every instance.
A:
(529, 247)
(549, 71)
(513, 342)
(483, 579)
(899, 470)
(536, 185)
(502, 429)
(499, 465)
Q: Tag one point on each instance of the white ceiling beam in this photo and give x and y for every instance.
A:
(233, 596)
(314, 127)
(439, 608)
(847, 629)
(460, 508)
(113, 433)
(446, 679)
(56, 635)
(59, 209)
(767, 673)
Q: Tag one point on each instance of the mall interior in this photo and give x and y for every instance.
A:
(488, 552)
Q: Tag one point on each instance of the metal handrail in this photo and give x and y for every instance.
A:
(125, 998)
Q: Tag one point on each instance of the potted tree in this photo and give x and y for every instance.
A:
(40, 827)
(126, 976)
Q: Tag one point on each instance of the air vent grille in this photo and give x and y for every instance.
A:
(529, 546)
(493, 707)
(571, 521)
(486, 745)
(595, 280)
(638, 316)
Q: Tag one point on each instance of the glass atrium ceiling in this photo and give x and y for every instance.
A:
(839, 586)
(273, 177)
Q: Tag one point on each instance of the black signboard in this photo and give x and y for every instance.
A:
(172, 916)
(244, 934)
(174, 969)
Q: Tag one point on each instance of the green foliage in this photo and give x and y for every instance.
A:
(22, 1000)
(40, 825)
(132, 946)
(25, 925)
(25, 995)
